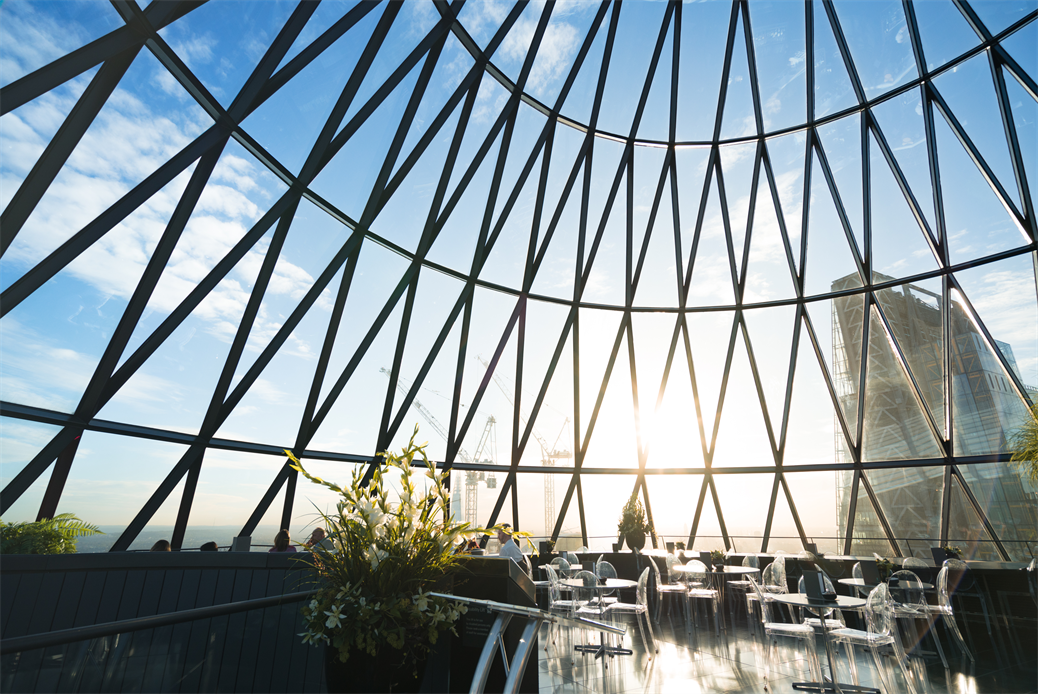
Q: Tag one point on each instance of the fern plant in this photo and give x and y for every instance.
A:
(55, 535)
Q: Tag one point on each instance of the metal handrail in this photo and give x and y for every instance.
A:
(63, 636)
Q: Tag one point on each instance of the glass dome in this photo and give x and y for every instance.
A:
(769, 266)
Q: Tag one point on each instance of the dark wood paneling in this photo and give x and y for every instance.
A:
(24, 607)
(181, 633)
(228, 664)
(8, 590)
(251, 637)
(217, 633)
(268, 633)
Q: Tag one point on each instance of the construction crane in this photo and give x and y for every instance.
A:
(487, 444)
(549, 454)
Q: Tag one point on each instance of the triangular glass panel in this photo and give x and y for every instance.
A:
(868, 536)
(673, 499)
(451, 69)
(787, 154)
(813, 435)
(690, 173)
(712, 280)
(746, 498)
(491, 98)
(55, 30)
(1004, 492)
(899, 244)
(1025, 116)
(838, 330)
(633, 46)
(784, 535)
(22, 441)
(272, 406)
(482, 20)
(313, 239)
(375, 278)
(552, 437)
(529, 125)
(201, 49)
(650, 342)
(915, 314)
(768, 274)
(815, 498)
(658, 278)
(1022, 46)
(708, 534)
(869, 34)
(614, 439)
(655, 122)
(978, 224)
(562, 40)
(597, 335)
(737, 165)
(558, 251)
(347, 185)
(944, 32)
(457, 239)
(581, 97)
(895, 427)
(779, 53)
(498, 400)
(709, 334)
(901, 121)
(107, 485)
(833, 89)
(998, 16)
(288, 122)
(544, 327)
(739, 119)
(1002, 295)
(841, 141)
(910, 499)
(966, 531)
(352, 421)
(606, 270)
(672, 430)
(830, 261)
(970, 94)
(491, 311)
(771, 338)
(985, 408)
(704, 37)
(322, 19)
(515, 49)
(742, 437)
(570, 537)
(432, 405)
(505, 262)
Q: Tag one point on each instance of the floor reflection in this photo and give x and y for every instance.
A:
(731, 663)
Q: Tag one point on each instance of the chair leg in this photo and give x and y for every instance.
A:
(652, 636)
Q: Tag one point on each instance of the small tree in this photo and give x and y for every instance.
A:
(632, 518)
(55, 535)
(1024, 445)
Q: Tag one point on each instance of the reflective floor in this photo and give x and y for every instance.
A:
(731, 663)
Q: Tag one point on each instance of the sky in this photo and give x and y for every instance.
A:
(52, 341)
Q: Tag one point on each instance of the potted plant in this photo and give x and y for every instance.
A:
(885, 567)
(393, 544)
(632, 526)
(717, 558)
(952, 552)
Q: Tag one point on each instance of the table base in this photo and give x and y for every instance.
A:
(823, 687)
(601, 650)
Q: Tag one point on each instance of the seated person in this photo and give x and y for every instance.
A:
(508, 547)
(318, 538)
(282, 542)
(209, 547)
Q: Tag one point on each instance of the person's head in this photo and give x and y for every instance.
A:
(210, 547)
(317, 535)
(161, 546)
(504, 533)
(281, 540)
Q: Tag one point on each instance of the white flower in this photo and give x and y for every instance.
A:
(334, 617)
(422, 601)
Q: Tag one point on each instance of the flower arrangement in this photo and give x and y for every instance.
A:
(717, 557)
(390, 552)
(952, 552)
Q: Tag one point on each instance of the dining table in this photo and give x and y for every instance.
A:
(820, 608)
(602, 586)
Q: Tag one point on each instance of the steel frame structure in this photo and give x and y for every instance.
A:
(116, 51)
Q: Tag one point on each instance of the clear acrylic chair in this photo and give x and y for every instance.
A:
(605, 570)
(699, 588)
(641, 611)
(879, 617)
(738, 590)
(557, 604)
(674, 590)
(773, 630)
(945, 613)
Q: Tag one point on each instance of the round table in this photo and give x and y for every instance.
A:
(610, 584)
(819, 607)
(860, 585)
